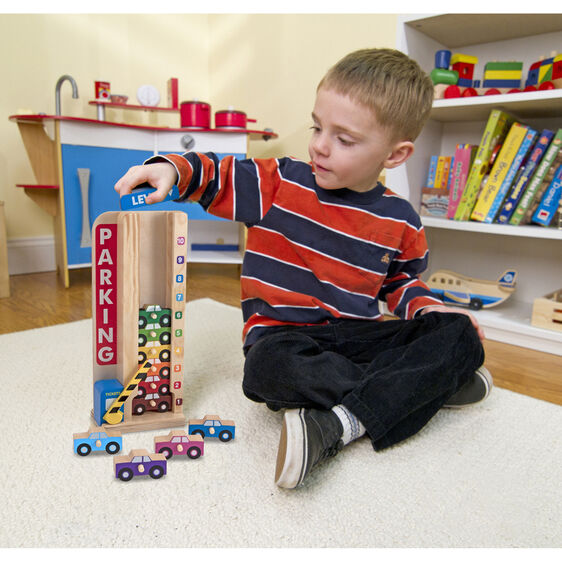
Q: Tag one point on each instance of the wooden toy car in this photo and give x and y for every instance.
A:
(151, 402)
(212, 426)
(153, 383)
(457, 289)
(97, 439)
(139, 462)
(178, 442)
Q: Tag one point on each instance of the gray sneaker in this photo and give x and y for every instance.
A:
(475, 390)
(307, 437)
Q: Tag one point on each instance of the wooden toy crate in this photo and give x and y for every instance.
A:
(547, 311)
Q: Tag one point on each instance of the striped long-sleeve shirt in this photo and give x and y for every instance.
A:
(312, 255)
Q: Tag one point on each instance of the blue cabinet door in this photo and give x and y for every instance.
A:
(106, 166)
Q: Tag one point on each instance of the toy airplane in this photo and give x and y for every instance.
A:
(454, 288)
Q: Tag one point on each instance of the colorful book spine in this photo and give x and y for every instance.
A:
(430, 182)
(499, 171)
(464, 154)
(542, 169)
(494, 132)
(536, 154)
(446, 172)
(512, 174)
(549, 203)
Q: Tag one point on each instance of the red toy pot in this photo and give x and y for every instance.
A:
(195, 114)
(231, 119)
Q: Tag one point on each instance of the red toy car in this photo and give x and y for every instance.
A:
(178, 442)
(152, 402)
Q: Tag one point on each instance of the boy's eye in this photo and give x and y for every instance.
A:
(345, 142)
(315, 128)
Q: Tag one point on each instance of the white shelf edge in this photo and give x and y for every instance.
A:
(525, 231)
(213, 256)
(511, 323)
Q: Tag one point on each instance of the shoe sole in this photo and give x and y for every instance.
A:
(486, 378)
(291, 455)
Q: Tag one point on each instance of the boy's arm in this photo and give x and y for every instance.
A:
(240, 190)
(405, 293)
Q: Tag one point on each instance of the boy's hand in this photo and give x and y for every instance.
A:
(443, 308)
(161, 175)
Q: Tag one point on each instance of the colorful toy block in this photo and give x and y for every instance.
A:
(503, 74)
(137, 198)
(464, 66)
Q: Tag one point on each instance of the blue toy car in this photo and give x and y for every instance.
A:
(212, 426)
(97, 439)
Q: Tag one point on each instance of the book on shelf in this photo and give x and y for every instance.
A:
(550, 201)
(430, 181)
(541, 191)
(513, 151)
(522, 211)
(522, 180)
(434, 202)
(442, 172)
(494, 133)
(462, 160)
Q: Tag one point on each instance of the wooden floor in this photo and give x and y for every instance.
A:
(38, 300)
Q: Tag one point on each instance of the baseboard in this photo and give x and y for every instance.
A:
(31, 255)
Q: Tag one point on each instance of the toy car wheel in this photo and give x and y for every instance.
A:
(164, 372)
(165, 320)
(164, 338)
(225, 435)
(112, 447)
(141, 391)
(164, 355)
(125, 474)
(84, 449)
(475, 304)
(164, 389)
(142, 322)
(194, 452)
(139, 409)
(198, 432)
(142, 357)
(163, 407)
(142, 340)
(156, 472)
(167, 452)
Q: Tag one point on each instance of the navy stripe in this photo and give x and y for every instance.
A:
(366, 255)
(305, 282)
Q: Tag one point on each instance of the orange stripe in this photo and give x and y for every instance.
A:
(363, 225)
(325, 268)
(275, 296)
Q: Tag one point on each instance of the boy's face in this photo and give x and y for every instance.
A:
(348, 147)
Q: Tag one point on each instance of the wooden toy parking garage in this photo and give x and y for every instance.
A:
(138, 307)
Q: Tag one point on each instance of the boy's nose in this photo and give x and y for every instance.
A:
(320, 144)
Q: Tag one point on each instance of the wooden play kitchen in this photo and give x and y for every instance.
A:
(76, 162)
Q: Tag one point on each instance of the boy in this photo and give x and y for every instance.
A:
(327, 242)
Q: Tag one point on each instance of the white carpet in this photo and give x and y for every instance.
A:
(488, 476)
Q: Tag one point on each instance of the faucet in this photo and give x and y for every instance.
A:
(58, 87)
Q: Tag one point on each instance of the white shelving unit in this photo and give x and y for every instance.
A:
(471, 248)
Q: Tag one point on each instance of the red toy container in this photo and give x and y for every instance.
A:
(195, 114)
(229, 118)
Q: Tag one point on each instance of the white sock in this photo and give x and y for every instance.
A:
(352, 427)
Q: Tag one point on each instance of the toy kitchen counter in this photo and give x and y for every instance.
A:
(76, 162)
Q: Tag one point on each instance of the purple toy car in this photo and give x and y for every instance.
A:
(139, 462)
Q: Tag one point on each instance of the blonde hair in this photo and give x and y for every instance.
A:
(390, 83)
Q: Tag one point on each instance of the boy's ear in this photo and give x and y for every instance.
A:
(401, 151)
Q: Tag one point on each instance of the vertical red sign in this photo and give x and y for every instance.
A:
(105, 293)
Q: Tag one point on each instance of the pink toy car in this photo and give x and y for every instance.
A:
(178, 442)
